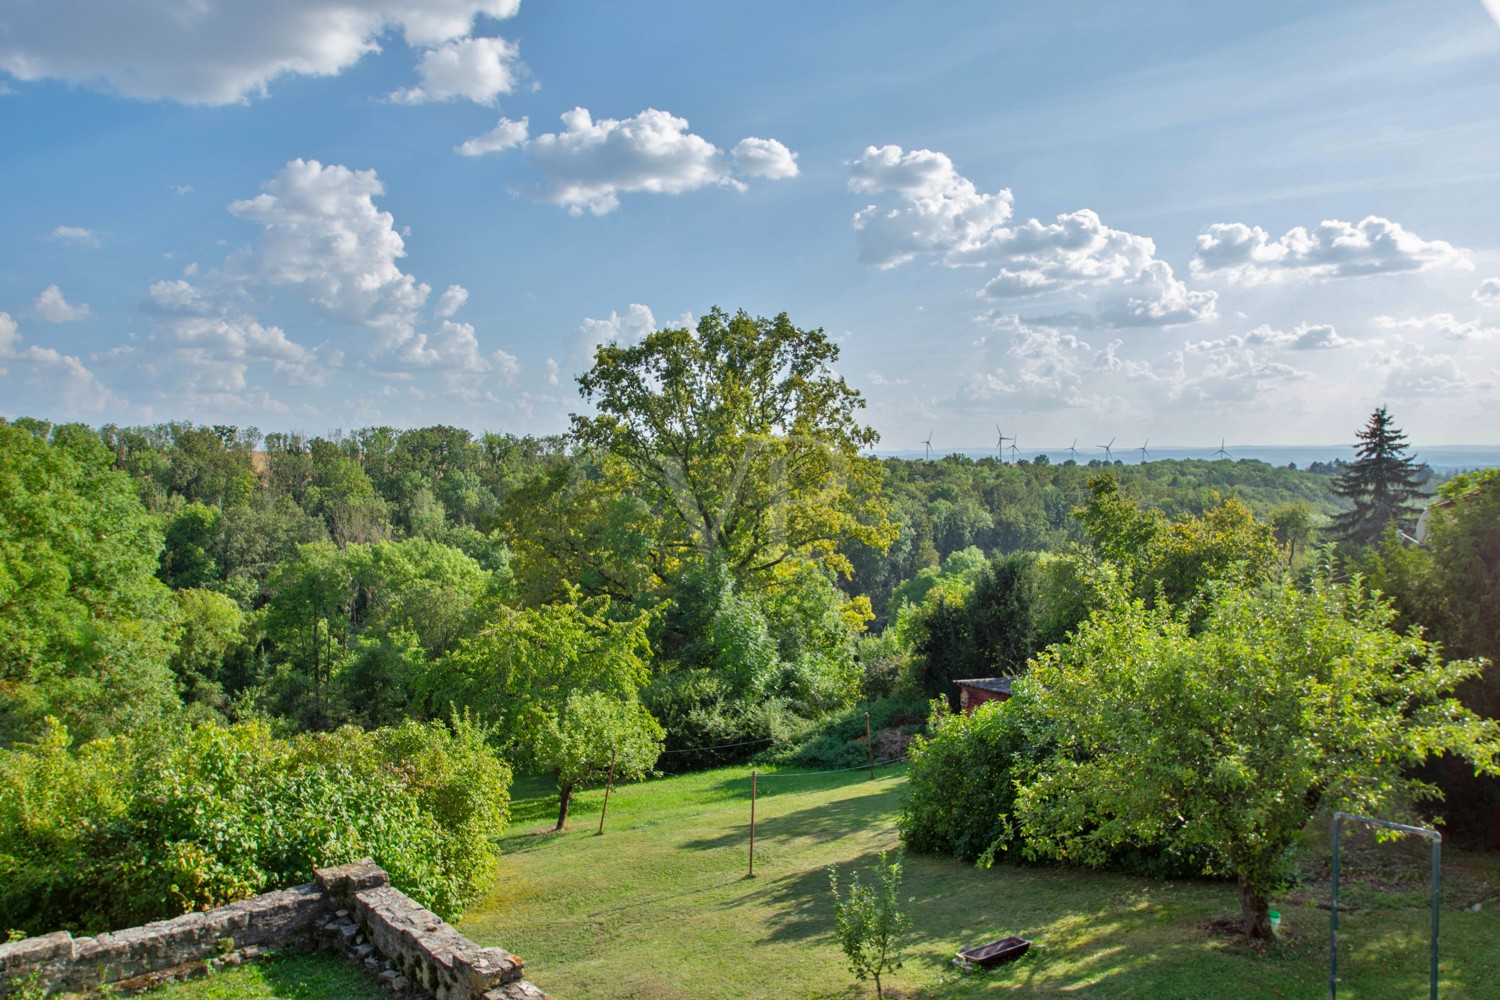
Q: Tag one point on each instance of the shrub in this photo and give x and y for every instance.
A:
(175, 818)
(883, 661)
(838, 740)
(961, 792)
(962, 783)
(697, 710)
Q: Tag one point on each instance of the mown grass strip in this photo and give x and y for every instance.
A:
(659, 906)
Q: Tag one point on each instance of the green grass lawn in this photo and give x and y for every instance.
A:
(284, 977)
(660, 906)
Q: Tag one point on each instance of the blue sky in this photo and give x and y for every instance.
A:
(1174, 220)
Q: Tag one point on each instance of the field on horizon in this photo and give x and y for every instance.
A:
(660, 906)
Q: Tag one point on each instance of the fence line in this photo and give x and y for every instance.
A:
(721, 746)
(833, 770)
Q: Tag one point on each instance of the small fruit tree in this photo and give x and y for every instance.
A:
(870, 922)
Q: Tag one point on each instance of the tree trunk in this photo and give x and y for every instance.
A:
(564, 797)
(1256, 912)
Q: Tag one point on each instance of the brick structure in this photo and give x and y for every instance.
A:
(977, 690)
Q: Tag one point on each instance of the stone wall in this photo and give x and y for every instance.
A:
(352, 909)
(422, 953)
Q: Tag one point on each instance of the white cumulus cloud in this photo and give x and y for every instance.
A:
(452, 300)
(937, 211)
(1438, 324)
(1303, 337)
(212, 353)
(472, 69)
(54, 308)
(589, 164)
(325, 241)
(505, 135)
(49, 374)
(766, 158)
(1043, 368)
(225, 51)
(454, 350)
(1411, 370)
(323, 235)
(1332, 249)
(1488, 292)
(633, 327)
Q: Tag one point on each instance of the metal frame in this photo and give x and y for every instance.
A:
(1333, 910)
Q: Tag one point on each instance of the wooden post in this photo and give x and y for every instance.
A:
(869, 745)
(608, 785)
(752, 825)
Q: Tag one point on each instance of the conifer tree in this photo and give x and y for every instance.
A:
(1382, 483)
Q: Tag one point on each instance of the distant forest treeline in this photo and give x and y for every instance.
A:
(325, 579)
(276, 491)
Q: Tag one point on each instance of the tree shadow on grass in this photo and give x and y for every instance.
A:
(793, 780)
(1107, 945)
(822, 822)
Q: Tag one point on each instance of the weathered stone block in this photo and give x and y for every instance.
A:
(19, 955)
(344, 881)
(520, 990)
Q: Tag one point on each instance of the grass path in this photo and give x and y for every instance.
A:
(660, 907)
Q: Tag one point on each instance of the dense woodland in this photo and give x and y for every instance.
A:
(710, 563)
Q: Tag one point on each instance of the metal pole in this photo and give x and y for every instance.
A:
(1437, 872)
(1333, 912)
(608, 785)
(752, 824)
(1333, 917)
(870, 746)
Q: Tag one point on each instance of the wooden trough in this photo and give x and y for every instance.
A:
(984, 956)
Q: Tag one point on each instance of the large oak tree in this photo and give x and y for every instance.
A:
(744, 442)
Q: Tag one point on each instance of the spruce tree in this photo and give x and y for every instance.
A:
(1382, 483)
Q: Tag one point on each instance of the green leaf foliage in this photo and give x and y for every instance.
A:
(1450, 587)
(212, 625)
(1223, 742)
(961, 789)
(596, 736)
(353, 627)
(987, 628)
(870, 922)
(745, 442)
(517, 673)
(1176, 559)
(86, 629)
(175, 818)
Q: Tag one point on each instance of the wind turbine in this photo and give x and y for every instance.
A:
(1109, 456)
(1221, 453)
(1073, 450)
(1143, 451)
(928, 445)
(1000, 440)
(1013, 451)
